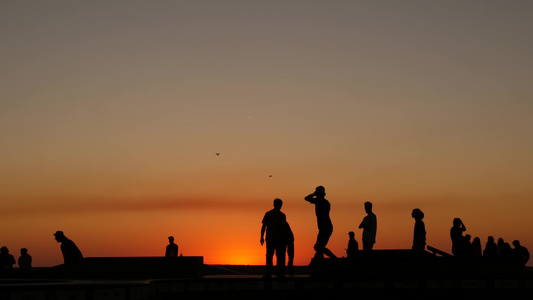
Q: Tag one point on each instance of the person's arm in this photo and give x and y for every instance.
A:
(310, 198)
(262, 234)
(362, 225)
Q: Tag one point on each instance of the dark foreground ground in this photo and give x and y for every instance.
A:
(397, 278)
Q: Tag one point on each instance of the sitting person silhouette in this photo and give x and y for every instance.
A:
(24, 261)
(71, 253)
(7, 260)
(490, 247)
(353, 246)
(171, 249)
(521, 251)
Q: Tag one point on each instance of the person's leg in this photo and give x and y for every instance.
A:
(269, 258)
(280, 258)
(290, 254)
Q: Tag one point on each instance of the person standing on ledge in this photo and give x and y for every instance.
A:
(325, 227)
(71, 253)
(369, 226)
(172, 248)
(275, 226)
(419, 237)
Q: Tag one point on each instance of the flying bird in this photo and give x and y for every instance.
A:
(217, 153)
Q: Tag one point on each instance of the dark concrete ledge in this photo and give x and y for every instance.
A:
(127, 268)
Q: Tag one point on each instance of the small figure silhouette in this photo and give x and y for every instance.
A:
(369, 226)
(501, 246)
(458, 240)
(24, 261)
(467, 245)
(521, 251)
(490, 247)
(325, 227)
(6, 259)
(476, 247)
(353, 246)
(419, 236)
(171, 249)
(71, 253)
(275, 226)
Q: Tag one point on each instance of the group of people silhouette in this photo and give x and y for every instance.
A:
(277, 233)
(465, 246)
(279, 237)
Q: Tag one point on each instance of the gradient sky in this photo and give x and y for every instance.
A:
(111, 113)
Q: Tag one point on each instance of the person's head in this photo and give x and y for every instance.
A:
(351, 234)
(417, 214)
(278, 203)
(171, 239)
(60, 236)
(320, 191)
(516, 243)
(457, 222)
(23, 251)
(468, 237)
(490, 239)
(368, 207)
(476, 241)
(4, 250)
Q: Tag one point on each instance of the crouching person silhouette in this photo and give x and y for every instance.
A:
(71, 253)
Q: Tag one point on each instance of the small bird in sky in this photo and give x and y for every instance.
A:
(270, 176)
(217, 153)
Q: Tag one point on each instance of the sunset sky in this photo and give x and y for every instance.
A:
(112, 112)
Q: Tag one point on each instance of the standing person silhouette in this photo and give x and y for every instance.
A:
(290, 250)
(171, 249)
(325, 227)
(419, 236)
(369, 226)
(275, 226)
(458, 240)
(71, 253)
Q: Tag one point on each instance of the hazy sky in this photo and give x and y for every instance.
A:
(111, 113)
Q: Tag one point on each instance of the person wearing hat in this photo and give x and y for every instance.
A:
(71, 253)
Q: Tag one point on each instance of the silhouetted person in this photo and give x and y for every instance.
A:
(521, 251)
(467, 245)
(369, 226)
(71, 253)
(353, 246)
(419, 236)
(491, 249)
(6, 259)
(507, 250)
(500, 246)
(171, 249)
(325, 227)
(290, 250)
(275, 226)
(476, 247)
(458, 240)
(24, 261)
